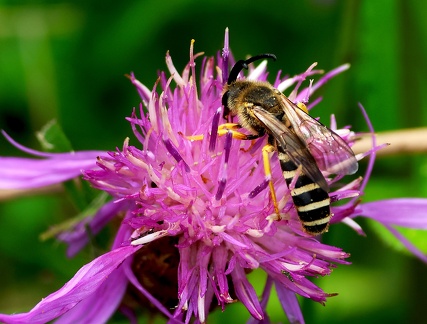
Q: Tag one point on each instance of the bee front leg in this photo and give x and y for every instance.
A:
(223, 129)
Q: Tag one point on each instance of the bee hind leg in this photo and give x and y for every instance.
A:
(266, 150)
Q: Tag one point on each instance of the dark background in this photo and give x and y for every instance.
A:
(67, 60)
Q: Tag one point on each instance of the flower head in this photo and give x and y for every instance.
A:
(198, 211)
(211, 195)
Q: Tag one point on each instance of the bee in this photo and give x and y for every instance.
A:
(305, 147)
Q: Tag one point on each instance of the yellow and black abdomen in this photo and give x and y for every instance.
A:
(311, 202)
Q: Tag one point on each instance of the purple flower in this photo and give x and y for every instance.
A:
(198, 213)
(21, 173)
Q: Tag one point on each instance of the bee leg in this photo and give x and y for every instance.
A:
(303, 107)
(199, 137)
(266, 150)
(223, 129)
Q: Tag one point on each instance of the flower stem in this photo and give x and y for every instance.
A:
(401, 142)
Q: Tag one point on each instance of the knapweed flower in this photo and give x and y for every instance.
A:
(198, 212)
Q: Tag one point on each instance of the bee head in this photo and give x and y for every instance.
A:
(234, 73)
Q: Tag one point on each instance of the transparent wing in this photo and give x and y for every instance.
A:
(292, 144)
(330, 151)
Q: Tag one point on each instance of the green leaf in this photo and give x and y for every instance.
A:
(80, 192)
(53, 139)
(89, 211)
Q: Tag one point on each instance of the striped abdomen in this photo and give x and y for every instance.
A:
(312, 203)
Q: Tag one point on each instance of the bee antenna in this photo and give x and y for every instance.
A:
(243, 64)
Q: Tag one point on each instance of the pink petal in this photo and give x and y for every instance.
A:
(290, 304)
(85, 282)
(100, 306)
(79, 237)
(26, 173)
(411, 247)
(407, 212)
(246, 293)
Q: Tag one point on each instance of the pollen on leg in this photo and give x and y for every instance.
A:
(303, 107)
(223, 129)
(199, 137)
(266, 150)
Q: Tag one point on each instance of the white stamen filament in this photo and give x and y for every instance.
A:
(150, 237)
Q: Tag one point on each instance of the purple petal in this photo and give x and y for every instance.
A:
(100, 306)
(264, 300)
(68, 155)
(373, 154)
(174, 152)
(85, 282)
(143, 91)
(26, 173)
(290, 304)
(329, 76)
(214, 128)
(412, 248)
(79, 236)
(225, 56)
(131, 277)
(407, 212)
(246, 293)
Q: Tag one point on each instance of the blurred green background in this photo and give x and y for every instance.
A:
(67, 59)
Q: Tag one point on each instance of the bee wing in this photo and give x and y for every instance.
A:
(292, 144)
(330, 151)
